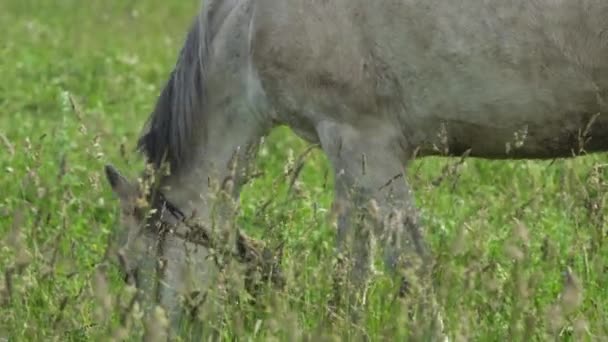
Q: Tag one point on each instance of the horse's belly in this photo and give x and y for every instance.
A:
(548, 140)
(507, 128)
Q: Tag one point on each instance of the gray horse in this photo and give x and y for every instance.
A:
(374, 83)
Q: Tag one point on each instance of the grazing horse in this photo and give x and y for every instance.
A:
(373, 83)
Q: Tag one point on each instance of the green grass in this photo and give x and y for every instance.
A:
(503, 232)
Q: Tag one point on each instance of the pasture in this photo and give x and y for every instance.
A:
(521, 247)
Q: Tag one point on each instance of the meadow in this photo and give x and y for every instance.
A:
(521, 246)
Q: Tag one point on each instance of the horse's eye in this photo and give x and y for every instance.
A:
(132, 277)
(139, 213)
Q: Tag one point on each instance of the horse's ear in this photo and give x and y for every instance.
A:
(120, 185)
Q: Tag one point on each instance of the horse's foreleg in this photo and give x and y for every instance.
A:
(369, 186)
(372, 196)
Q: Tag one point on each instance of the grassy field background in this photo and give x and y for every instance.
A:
(79, 79)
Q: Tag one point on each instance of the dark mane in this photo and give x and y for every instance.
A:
(180, 106)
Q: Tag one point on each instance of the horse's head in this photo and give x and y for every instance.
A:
(158, 244)
(144, 213)
(132, 217)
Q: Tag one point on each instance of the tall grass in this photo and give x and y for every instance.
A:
(521, 246)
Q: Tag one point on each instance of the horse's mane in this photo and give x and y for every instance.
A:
(179, 110)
